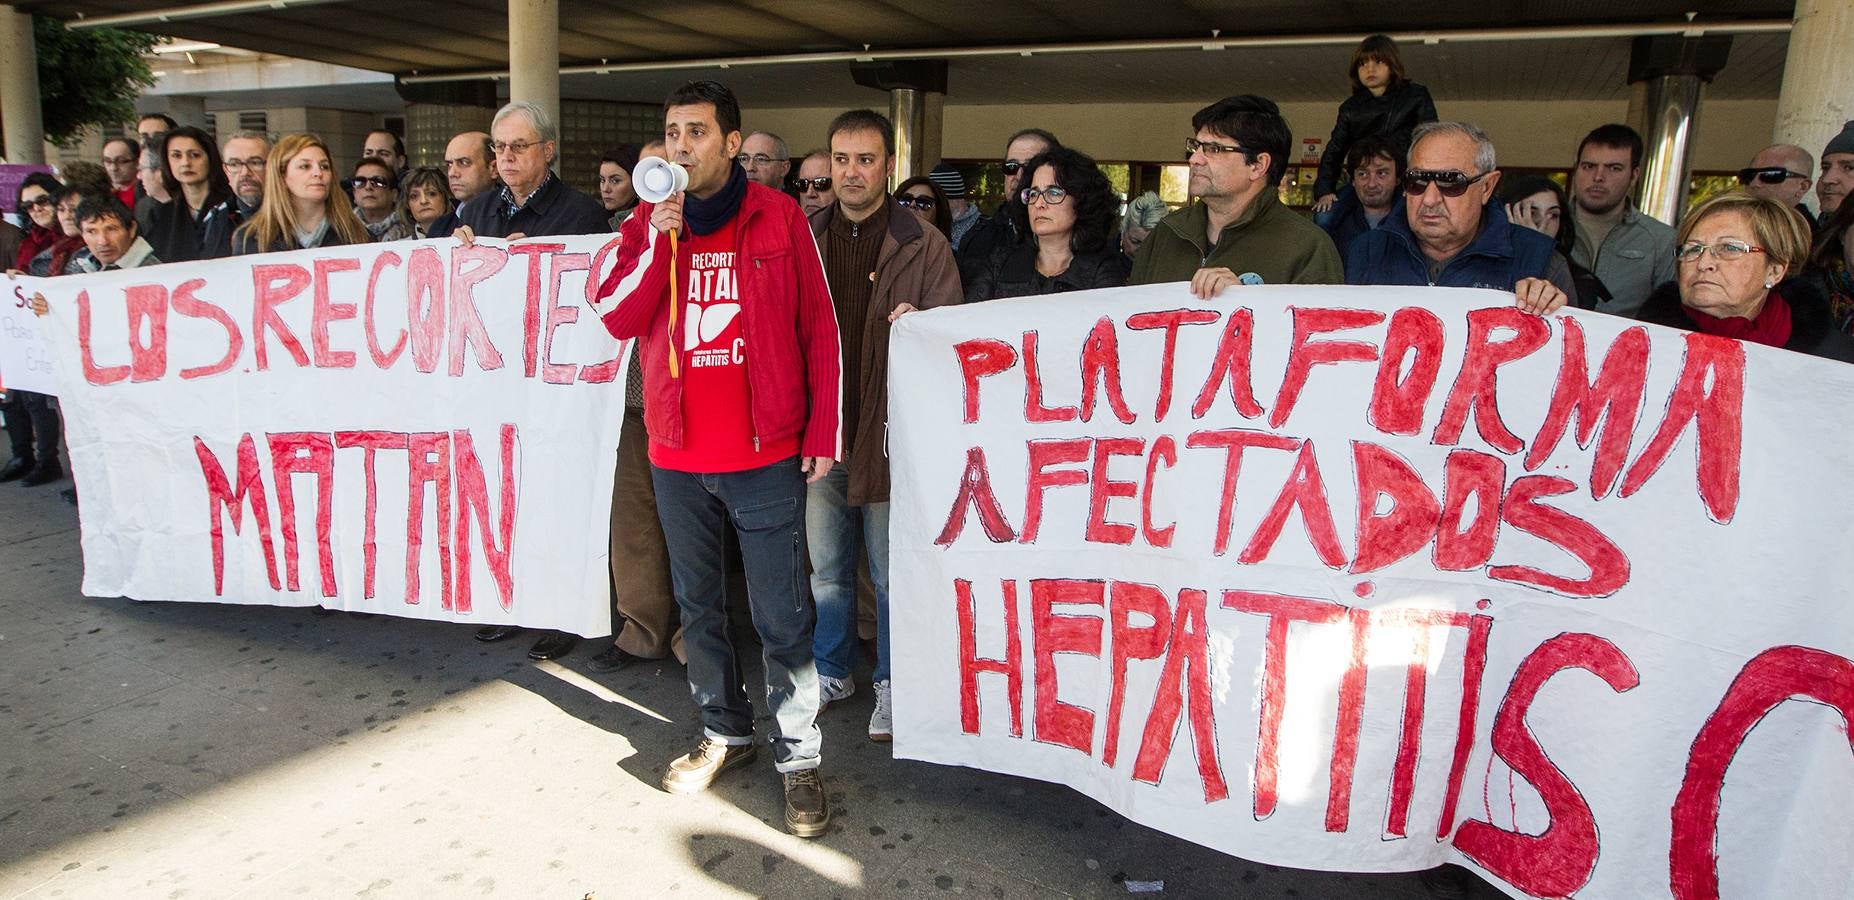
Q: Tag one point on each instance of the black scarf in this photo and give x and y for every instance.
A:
(707, 216)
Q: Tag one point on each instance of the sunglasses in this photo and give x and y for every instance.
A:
(912, 202)
(1768, 175)
(37, 202)
(361, 181)
(1451, 183)
(807, 185)
(1012, 167)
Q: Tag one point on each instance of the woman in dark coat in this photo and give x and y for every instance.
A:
(1736, 253)
(195, 223)
(1384, 101)
(928, 202)
(1071, 213)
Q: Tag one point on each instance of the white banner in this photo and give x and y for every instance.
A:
(1377, 579)
(25, 363)
(418, 429)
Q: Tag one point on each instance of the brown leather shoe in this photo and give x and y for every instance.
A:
(699, 769)
(807, 812)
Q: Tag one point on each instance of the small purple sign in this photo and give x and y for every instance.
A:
(10, 178)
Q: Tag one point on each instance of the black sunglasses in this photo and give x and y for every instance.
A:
(806, 185)
(1450, 182)
(1768, 175)
(361, 181)
(916, 202)
(1012, 167)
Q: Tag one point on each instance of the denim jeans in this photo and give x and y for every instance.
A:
(833, 528)
(766, 509)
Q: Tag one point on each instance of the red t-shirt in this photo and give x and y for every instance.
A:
(717, 402)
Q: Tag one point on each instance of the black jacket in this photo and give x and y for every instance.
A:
(177, 236)
(1402, 108)
(1811, 330)
(1012, 273)
(989, 235)
(243, 244)
(555, 209)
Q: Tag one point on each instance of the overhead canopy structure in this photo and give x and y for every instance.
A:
(1002, 51)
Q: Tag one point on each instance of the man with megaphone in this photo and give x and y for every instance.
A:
(720, 281)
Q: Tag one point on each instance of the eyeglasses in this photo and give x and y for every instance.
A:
(37, 202)
(255, 164)
(515, 147)
(807, 185)
(361, 181)
(1768, 175)
(1052, 195)
(1212, 150)
(118, 160)
(759, 159)
(1012, 167)
(916, 202)
(1450, 182)
(1722, 251)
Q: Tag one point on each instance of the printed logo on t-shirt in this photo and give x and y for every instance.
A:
(711, 334)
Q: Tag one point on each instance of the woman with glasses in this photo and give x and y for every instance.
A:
(301, 208)
(1384, 102)
(1735, 254)
(426, 199)
(927, 202)
(376, 199)
(194, 224)
(1069, 211)
(616, 193)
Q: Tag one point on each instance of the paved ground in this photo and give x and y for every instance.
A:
(197, 750)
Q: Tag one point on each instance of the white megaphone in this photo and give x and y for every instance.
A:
(656, 179)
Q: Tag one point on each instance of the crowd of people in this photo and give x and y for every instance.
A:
(788, 451)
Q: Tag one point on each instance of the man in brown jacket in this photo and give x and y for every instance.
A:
(881, 263)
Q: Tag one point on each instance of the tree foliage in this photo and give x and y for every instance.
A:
(89, 76)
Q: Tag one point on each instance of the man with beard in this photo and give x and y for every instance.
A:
(1376, 169)
(242, 156)
(1632, 254)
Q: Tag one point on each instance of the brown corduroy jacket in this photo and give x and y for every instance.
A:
(915, 265)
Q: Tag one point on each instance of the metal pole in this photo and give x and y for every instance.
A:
(1674, 106)
(904, 110)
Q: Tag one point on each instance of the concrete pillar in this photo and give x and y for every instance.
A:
(1818, 88)
(534, 54)
(19, 88)
(189, 110)
(904, 112)
(1673, 113)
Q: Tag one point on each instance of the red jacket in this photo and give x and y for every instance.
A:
(793, 365)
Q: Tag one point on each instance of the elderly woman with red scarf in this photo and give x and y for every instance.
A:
(1735, 252)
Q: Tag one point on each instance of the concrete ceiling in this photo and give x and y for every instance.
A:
(420, 37)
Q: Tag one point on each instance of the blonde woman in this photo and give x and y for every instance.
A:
(301, 208)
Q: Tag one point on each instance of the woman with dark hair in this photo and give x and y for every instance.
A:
(1384, 102)
(186, 226)
(1538, 203)
(1070, 211)
(928, 202)
(615, 191)
(424, 198)
(1826, 273)
(53, 260)
(37, 205)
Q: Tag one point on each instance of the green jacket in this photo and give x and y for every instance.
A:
(1268, 239)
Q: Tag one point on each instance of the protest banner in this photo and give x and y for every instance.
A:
(1379, 579)
(419, 429)
(25, 364)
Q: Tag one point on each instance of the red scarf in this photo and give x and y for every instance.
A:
(36, 240)
(1771, 327)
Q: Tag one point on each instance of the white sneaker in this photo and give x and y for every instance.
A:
(831, 690)
(882, 720)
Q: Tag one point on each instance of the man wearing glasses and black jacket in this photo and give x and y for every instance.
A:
(989, 235)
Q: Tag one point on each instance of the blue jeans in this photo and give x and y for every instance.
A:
(766, 509)
(833, 528)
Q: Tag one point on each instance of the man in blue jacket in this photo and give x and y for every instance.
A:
(1451, 235)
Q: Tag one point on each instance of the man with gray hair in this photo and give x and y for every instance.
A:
(1453, 233)
(766, 158)
(533, 200)
(1781, 172)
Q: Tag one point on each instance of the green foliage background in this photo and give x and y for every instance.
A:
(88, 77)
